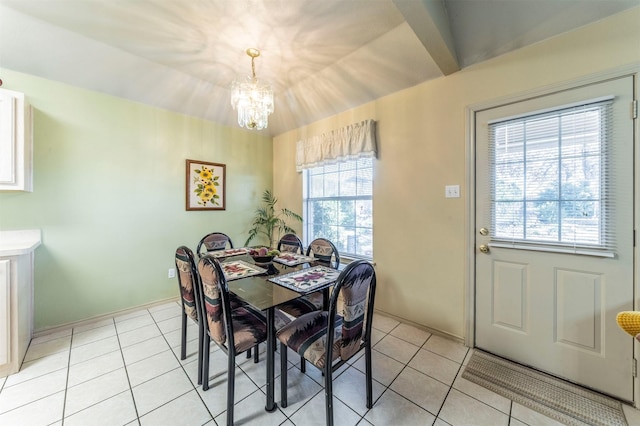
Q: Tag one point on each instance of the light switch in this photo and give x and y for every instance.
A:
(452, 191)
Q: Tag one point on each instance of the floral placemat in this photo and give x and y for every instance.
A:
(307, 279)
(228, 252)
(237, 269)
(292, 259)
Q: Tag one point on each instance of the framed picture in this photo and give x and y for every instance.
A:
(205, 188)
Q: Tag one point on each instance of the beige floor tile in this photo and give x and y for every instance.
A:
(51, 336)
(383, 368)
(410, 334)
(170, 324)
(250, 411)
(174, 310)
(39, 367)
(134, 323)
(94, 349)
(95, 390)
(45, 411)
(158, 391)
(144, 349)
(396, 348)
(139, 335)
(383, 323)
(32, 390)
(187, 409)
(313, 413)
(50, 347)
(421, 389)
(95, 367)
(93, 324)
(300, 389)
(482, 394)
(447, 348)
(216, 397)
(151, 367)
(460, 409)
(436, 366)
(393, 409)
(174, 338)
(632, 414)
(93, 335)
(117, 410)
(350, 388)
(131, 315)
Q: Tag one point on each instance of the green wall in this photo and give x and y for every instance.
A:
(109, 196)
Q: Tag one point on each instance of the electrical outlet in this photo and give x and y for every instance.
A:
(452, 191)
(172, 273)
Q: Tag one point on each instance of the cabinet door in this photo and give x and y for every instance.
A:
(5, 311)
(15, 142)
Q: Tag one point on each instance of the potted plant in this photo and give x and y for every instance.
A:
(271, 222)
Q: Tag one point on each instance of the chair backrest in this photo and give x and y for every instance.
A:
(187, 276)
(214, 241)
(215, 299)
(357, 285)
(290, 243)
(324, 250)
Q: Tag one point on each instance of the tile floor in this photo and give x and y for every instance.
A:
(126, 371)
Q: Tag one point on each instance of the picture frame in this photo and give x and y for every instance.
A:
(205, 185)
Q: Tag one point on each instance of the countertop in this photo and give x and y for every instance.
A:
(16, 243)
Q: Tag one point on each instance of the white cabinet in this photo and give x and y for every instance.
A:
(16, 142)
(16, 296)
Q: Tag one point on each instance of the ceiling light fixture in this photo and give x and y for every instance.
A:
(252, 98)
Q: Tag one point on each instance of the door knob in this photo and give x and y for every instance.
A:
(484, 248)
(484, 231)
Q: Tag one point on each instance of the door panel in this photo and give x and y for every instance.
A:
(553, 310)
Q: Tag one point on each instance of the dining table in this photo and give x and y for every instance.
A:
(276, 283)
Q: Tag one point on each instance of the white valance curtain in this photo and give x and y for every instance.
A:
(348, 143)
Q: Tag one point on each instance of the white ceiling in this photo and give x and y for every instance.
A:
(322, 56)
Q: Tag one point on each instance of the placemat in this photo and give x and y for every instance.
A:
(306, 280)
(292, 259)
(237, 269)
(228, 252)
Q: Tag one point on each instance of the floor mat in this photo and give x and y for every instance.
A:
(562, 401)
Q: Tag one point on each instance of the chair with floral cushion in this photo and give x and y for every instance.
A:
(187, 273)
(290, 243)
(234, 330)
(328, 339)
(213, 242)
(326, 253)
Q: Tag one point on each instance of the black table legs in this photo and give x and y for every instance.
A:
(271, 405)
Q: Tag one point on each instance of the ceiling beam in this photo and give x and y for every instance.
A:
(428, 20)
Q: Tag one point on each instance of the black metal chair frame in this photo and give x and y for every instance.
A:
(200, 322)
(329, 367)
(336, 255)
(291, 240)
(201, 243)
(229, 347)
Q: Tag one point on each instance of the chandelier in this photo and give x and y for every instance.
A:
(252, 98)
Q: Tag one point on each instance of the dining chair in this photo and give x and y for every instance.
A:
(325, 252)
(327, 339)
(212, 242)
(290, 243)
(234, 330)
(187, 273)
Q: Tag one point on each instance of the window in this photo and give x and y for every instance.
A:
(549, 177)
(337, 202)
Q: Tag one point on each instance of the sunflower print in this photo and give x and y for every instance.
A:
(206, 183)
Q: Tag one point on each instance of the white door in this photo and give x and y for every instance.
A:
(554, 234)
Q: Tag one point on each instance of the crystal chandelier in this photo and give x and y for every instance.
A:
(252, 98)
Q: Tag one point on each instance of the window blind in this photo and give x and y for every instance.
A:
(550, 185)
